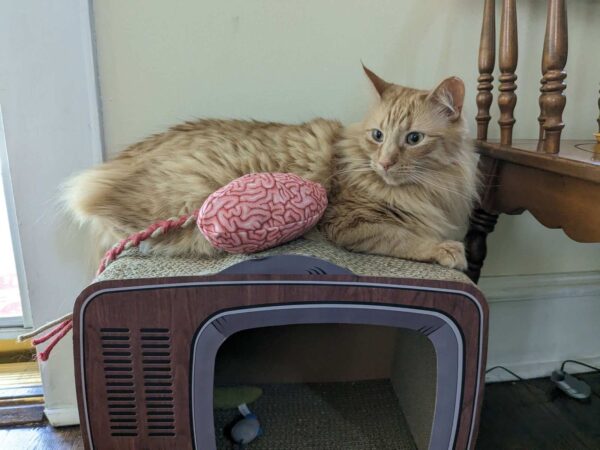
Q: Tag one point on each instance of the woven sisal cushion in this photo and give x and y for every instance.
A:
(134, 264)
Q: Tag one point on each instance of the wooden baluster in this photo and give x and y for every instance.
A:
(541, 118)
(598, 115)
(509, 54)
(487, 59)
(555, 58)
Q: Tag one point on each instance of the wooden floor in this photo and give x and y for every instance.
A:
(527, 415)
(535, 415)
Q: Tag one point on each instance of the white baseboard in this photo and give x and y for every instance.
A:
(538, 321)
(535, 287)
(62, 417)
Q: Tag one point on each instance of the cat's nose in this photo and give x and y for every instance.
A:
(386, 164)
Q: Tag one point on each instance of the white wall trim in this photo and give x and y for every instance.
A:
(539, 287)
(538, 321)
(62, 417)
(88, 37)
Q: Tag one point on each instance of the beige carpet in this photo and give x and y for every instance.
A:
(325, 416)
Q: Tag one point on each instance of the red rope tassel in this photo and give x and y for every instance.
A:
(48, 335)
(66, 326)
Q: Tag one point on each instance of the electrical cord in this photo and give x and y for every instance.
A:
(562, 368)
(528, 384)
(572, 361)
(506, 370)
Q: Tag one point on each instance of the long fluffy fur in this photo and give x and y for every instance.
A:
(416, 210)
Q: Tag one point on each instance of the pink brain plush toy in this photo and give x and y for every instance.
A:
(261, 210)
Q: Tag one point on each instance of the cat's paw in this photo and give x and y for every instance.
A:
(451, 254)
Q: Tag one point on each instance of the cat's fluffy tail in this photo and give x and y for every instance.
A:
(86, 200)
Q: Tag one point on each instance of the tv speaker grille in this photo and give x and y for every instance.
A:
(119, 381)
(158, 381)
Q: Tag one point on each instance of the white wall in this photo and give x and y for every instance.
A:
(49, 105)
(267, 59)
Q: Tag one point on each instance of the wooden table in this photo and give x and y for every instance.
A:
(557, 181)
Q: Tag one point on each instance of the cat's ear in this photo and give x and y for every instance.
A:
(379, 84)
(450, 94)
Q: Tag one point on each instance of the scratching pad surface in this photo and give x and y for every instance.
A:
(134, 264)
(361, 415)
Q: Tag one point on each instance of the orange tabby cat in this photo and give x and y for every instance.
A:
(401, 183)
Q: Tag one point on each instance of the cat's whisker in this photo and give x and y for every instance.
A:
(346, 172)
(430, 178)
(354, 166)
(353, 169)
(437, 173)
(428, 181)
(432, 181)
(357, 167)
(439, 180)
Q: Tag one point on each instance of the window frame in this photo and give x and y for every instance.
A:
(12, 326)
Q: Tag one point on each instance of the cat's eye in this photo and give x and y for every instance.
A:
(377, 135)
(414, 137)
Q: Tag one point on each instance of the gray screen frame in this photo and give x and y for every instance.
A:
(442, 332)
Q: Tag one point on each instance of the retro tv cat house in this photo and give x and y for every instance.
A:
(350, 350)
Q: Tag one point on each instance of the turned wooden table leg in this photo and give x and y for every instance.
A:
(598, 115)
(482, 223)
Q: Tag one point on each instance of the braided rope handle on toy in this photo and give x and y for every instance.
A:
(61, 326)
(156, 229)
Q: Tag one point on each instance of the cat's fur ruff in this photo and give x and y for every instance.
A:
(415, 210)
